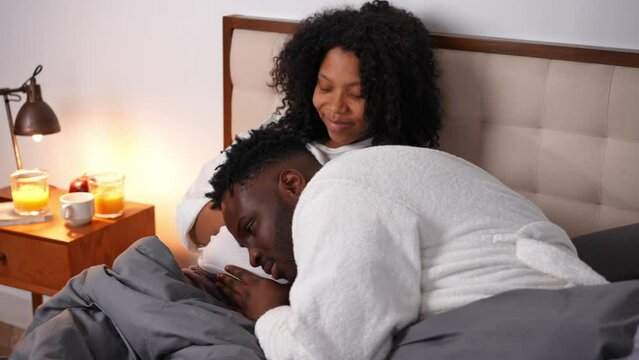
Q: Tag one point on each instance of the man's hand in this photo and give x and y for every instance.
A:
(202, 280)
(253, 295)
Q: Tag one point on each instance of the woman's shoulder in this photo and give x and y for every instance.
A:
(271, 120)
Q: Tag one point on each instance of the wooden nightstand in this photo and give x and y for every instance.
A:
(41, 257)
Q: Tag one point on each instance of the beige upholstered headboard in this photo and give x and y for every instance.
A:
(558, 124)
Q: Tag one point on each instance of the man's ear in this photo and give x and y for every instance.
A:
(291, 183)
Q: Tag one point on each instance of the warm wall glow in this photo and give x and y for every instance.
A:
(146, 154)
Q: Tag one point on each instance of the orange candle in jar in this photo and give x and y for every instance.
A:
(109, 202)
(29, 191)
(108, 190)
(29, 198)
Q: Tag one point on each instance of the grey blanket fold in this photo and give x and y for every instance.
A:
(141, 309)
(589, 322)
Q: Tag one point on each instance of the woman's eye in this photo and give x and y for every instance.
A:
(324, 88)
(357, 96)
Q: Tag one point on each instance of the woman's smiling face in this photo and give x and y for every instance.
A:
(338, 98)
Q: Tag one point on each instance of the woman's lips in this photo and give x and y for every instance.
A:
(337, 125)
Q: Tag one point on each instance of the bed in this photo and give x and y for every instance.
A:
(558, 124)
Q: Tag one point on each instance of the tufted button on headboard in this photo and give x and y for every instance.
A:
(558, 124)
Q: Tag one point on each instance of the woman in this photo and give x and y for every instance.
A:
(350, 79)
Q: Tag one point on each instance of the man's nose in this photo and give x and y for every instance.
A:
(255, 257)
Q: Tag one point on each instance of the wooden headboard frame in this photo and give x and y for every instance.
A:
(475, 44)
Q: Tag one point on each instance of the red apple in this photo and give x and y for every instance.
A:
(80, 184)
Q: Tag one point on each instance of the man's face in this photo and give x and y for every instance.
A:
(260, 220)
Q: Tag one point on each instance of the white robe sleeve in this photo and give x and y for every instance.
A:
(195, 199)
(358, 282)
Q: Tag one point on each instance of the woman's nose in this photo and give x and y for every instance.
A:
(338, 103)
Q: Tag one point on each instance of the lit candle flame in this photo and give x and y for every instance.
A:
(37, 137)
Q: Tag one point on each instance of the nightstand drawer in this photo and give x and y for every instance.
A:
(33, 264)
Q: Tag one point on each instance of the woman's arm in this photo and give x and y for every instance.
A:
(208, 223)
(196, 221)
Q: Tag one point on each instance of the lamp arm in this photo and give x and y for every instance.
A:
(7, 91)
(16, 149)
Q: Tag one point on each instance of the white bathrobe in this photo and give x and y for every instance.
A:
(385, 236)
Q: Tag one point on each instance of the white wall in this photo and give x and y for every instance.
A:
(137, 85)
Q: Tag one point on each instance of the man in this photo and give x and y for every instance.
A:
(374, 241)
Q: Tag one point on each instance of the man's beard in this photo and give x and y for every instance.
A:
(284, 239)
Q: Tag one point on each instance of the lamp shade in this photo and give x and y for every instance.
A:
(35, 116)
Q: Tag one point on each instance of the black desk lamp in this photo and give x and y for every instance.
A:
(35, 118)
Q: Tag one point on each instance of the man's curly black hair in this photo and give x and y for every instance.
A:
(397, 71)
(247, 156)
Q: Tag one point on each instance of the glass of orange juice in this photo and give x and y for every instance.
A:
(108, 190)
(30, 191)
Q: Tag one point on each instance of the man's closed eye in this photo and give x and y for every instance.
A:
(249, 227)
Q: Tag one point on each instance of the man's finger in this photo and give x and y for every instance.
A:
(228, 292)
(230, 281)
(244, 275)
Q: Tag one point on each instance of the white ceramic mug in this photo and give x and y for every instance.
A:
(77, 208)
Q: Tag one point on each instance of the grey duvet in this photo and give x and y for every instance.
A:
(144, 308)
(580, 323)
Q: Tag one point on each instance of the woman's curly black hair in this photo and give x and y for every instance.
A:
(247, 156)
(397, 72)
